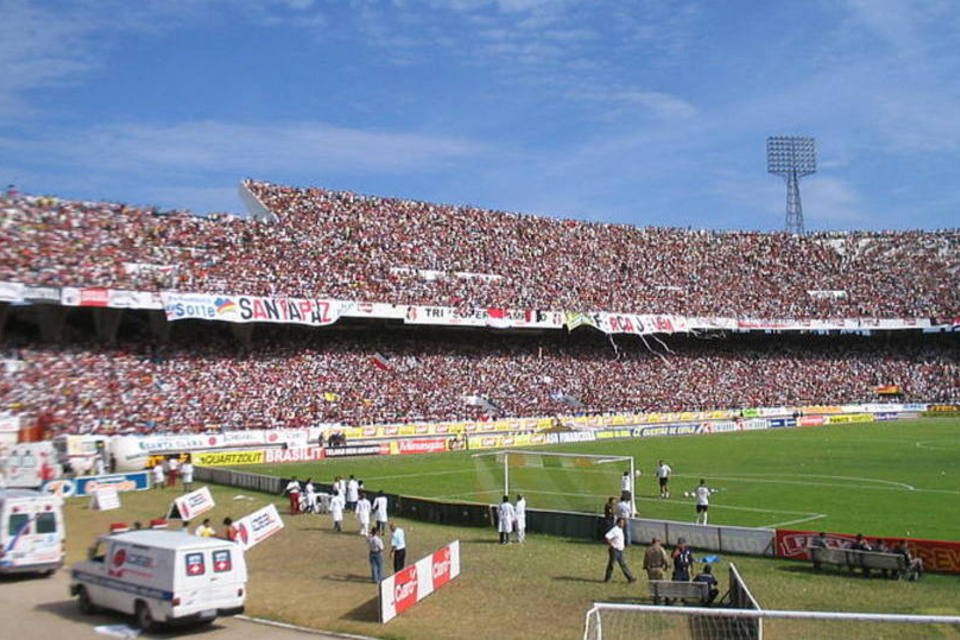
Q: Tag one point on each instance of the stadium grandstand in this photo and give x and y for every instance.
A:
(448, 312)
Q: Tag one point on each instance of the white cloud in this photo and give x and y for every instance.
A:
(37, 51)
(246, 149)
(659, 104)
(830, 203)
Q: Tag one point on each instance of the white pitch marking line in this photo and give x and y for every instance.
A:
(760, 477)
(776, 525)
(926, 444)
(808, 515)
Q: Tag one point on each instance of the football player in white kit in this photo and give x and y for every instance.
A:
(702, 494)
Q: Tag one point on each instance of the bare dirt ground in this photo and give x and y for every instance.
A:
(35, 608)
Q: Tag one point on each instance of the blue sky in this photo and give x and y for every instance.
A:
(638, 112)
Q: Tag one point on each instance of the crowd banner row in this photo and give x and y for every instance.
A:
(179, 305)
(242, 309)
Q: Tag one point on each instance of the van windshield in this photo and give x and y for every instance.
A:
(46, 523)
(18, 524)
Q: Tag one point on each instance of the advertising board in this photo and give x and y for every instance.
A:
(227, 458)
(412, 584)
(190, 505)
(256, 527)
(937, 555)
(351, 450)
(134, 481)
(298, 454)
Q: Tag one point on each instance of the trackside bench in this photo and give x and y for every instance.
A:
(664, 590)
(853, 559)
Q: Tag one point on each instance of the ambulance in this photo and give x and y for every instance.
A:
(31, 532)
(162, 577)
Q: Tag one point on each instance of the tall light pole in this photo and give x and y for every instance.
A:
(792, 157)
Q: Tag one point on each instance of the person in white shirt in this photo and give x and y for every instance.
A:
(398, 547)
(186, 473)
(702, 493)
(626, 482)
(520, 514)
(625, 512)
(380, 510)
(158, 475)
(663, 478)
(353, 493)
(616, 543)
(506, 514)
(173, 467)
(339, 484)
(337, 505)
(363, 514)
(293, 489)
(311, 496)
(376, 556)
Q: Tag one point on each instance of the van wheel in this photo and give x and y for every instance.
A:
(84, 603)
(144, 618)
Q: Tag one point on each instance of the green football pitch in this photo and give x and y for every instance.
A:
(897, 478)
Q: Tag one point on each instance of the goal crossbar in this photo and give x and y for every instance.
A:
(778, 614)
(594, 456)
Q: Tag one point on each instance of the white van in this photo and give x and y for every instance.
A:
(31, 532)
(162, 577)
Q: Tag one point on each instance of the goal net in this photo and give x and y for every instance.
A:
(740, 617)
(550, 480)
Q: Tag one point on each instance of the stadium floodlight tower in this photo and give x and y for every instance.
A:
(792, 157)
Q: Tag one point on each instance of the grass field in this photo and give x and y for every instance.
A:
(311, 576)
(893, 478)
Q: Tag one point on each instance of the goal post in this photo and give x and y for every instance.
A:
(615, 621)
(556, 480)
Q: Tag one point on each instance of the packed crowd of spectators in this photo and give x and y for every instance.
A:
(298, 377)
(342, 245)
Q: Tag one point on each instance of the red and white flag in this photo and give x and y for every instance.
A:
(381, 361)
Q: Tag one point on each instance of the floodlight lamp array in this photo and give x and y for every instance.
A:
(791, 155)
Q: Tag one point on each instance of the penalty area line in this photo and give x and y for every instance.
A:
(812, 517)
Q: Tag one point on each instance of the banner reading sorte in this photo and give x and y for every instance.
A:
(229, 308)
